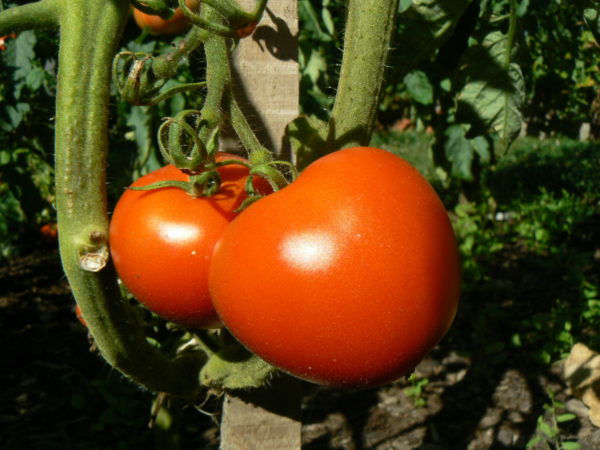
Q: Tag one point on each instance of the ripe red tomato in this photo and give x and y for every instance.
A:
(49, 232)
(177, 24)
(347, 277)
(161, 241)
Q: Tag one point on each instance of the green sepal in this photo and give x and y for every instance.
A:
(162, 184)
(234, 367)
(247, 202)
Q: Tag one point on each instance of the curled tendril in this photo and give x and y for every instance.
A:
(235, 23)
(203, 184)
(137, 84)
(180, 143)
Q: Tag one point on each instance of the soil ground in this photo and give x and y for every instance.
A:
(57, 394)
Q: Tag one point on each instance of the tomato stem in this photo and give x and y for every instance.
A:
(257, 153)
(369, 30)
(37, 15)
(82, 106)
(165, 66)
(218, 80)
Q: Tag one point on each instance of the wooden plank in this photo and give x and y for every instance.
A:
(267, 84)
(264, 419)
(267, 73)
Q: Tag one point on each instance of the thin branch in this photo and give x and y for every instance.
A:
(38, 15)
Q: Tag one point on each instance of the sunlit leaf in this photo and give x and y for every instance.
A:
(493, 94)
(566, 417)
(592, 20)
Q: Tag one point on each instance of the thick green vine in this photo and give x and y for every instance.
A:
(81, 146)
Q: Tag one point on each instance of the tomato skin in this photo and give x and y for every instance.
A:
(161, 241)
(79, 315)
(347, 277)
(49, 232)
(157, 26)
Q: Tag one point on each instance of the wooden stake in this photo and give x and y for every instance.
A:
(267, 84)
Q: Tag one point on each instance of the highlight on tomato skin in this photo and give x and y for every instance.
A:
(158, 26)
(348, 277)
(161, 241)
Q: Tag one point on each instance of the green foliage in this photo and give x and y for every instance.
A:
(416, 390)
(319, 53)
(548, 429)
(27, 91)
(529, 269)
(26, 136)
(563, 58)
(460, 68)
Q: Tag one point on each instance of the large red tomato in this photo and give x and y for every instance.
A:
(161, 241)
(347, 277)
(177, 24)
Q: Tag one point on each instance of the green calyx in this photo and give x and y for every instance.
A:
(230, 19)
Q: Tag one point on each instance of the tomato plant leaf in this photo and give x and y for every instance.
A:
(547, 429)
(15, 114)
(493, 94)
(458, 151)
(419, 87)
(233, 367)
(566, 417)
(423, 27)
(21, 55)
(592, 20)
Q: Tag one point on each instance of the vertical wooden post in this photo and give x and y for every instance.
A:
(267, 84)
(266, 72)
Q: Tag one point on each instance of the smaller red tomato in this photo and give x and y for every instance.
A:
(247, 30)
(4, 38)
(158, 26)
(49, 232)
(161, 241)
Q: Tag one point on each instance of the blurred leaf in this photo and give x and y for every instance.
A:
(403, 5)
(566, 417)
(536, 440)
(592, 20)
(546, 429)
(314, 65)
(16, 114)
(459, 151)
(422, 28)
(328, 20)
(35, 78)
(418, 86)
(522, 8)
(21, 55)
